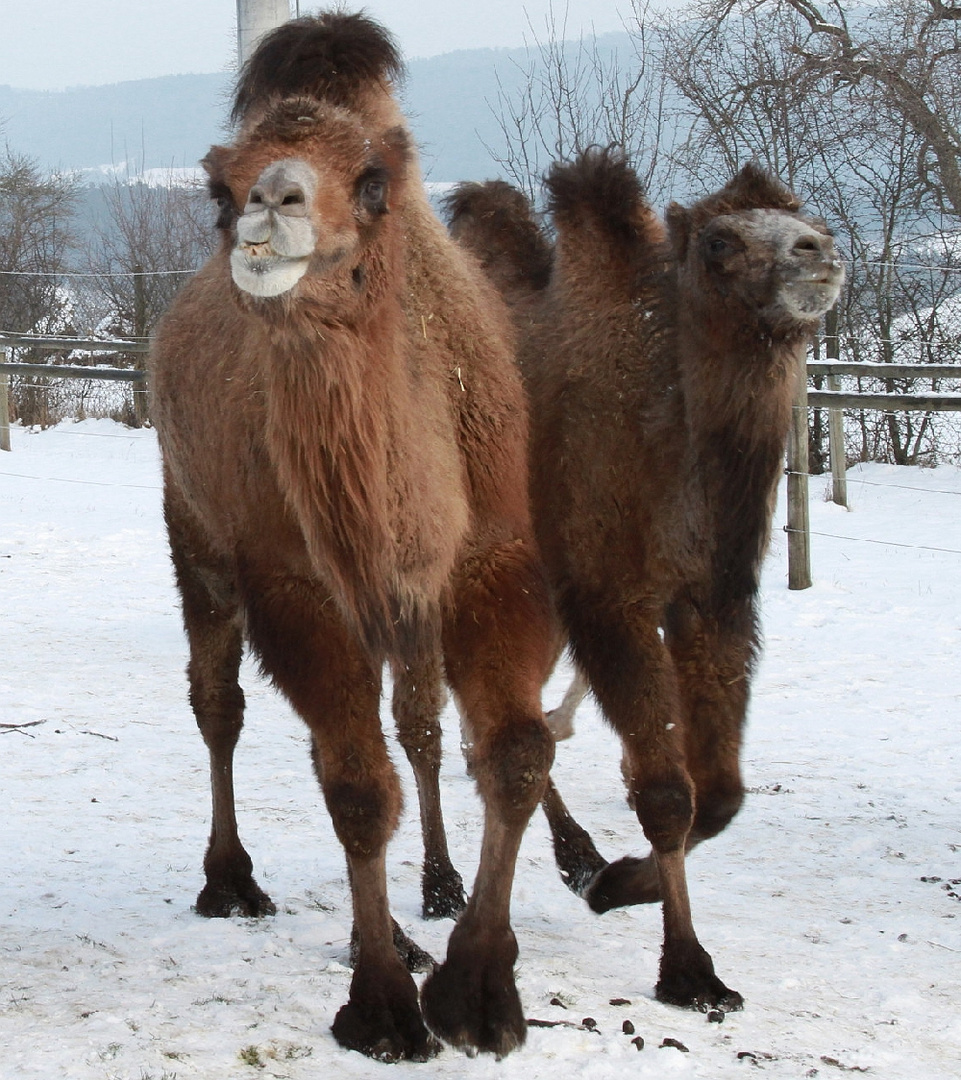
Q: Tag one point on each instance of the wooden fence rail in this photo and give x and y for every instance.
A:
(797, 528)
(835, 401)
(52, 343)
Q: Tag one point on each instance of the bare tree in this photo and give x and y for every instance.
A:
(154, 236)
(588, 93)
(907, 51)
(36, 236)
(742, 95)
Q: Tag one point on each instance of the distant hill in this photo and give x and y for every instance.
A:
(170, 122)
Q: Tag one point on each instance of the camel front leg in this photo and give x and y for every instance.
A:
(634, 679)
(382, 1016)
(714, 655)
(499, 644)
(334, 685)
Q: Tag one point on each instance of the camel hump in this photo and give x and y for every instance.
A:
(491, 199)
(332, 56)
(496, 223)
(599, 188)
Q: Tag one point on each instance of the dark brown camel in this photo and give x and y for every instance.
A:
(661, 366)
(345, 481)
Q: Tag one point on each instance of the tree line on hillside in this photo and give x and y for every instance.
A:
(856, 108)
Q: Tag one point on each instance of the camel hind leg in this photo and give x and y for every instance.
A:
(499, 644)
(417, 703)
(213, 622)
(561, 719)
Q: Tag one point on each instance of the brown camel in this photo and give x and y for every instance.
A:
(345, 480)
(661, 366)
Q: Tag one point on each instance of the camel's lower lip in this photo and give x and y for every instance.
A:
(263, 274)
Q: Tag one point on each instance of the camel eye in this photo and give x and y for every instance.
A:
(372, 192)
(718, 247)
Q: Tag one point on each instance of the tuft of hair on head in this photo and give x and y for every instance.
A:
(753, 188)
(332, 56)
(602, 184)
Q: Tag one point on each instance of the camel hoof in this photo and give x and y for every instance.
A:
(699, 996)
(220, 900)
(384, 1029)
(687, 980)
(443, 893)
(471, 1001)
(623, 883)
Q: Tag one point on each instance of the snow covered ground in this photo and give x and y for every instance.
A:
(832, 903)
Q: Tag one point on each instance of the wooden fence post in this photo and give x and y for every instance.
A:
(839, 480)
(139, 392)
(4, 405)
(798, 527)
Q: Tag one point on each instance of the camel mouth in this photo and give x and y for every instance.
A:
(811, 298)
(259, 251)
(259, 270)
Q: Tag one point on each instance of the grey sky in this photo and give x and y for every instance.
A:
(58, 43)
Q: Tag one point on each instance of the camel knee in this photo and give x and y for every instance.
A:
(420, 736)
(219, 711)
(715, 810)
(512, 766)
(665, 810)
(364, 814)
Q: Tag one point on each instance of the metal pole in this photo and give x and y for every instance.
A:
(254, 19)
(839, 485)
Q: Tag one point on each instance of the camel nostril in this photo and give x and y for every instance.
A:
(808, 245)
(293, 198)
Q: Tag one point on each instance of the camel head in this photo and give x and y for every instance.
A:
(304, 194)
(319, 162)
(750, 255)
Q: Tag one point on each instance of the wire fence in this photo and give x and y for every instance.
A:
(120, 393)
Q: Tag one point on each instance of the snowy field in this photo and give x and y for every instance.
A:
(833, 902)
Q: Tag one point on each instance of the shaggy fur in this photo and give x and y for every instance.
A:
(661, 364)
(344, 449)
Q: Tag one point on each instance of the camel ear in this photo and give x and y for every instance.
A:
(213, 161)
(678, 220)
(396, 153)
(214, 164)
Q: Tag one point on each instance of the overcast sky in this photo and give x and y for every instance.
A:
(52, 44)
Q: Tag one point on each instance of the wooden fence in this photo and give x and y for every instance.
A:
(835, 401)
(9, 342)
(798, 526)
